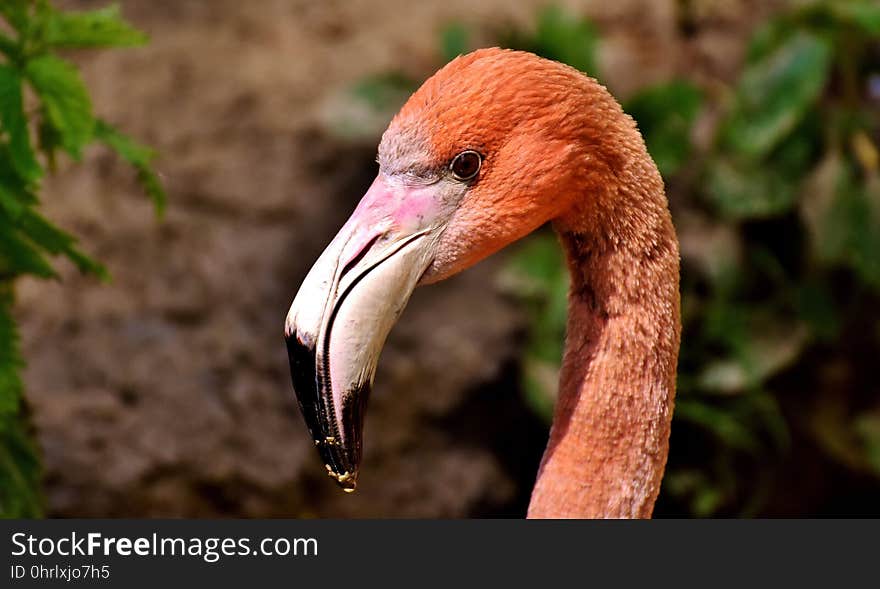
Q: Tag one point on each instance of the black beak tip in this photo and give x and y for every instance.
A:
(340, 462)
(302, 372)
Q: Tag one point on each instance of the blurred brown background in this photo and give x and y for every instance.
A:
(167, 392)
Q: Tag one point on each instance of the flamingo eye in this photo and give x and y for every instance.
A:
(466, 165)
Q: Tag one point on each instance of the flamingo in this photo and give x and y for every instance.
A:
(491, 147)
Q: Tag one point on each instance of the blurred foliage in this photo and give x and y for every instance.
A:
(45, 110)
(559, 36)
(363, 111)
(779, 218)
(666, 114)
(774, 183)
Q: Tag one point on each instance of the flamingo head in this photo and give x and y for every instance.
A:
(486, 151)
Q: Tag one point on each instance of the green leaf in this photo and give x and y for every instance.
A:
(536, 274)
(536, 264)
(767, 38)
(453, 41)
(12, 204)
(706, 496)
(55, 241)
(863, 14)
(842, 213)
(94, 28)
(665, 115)
(11, 361)
(723, 424)
(49, 139)
(23, 233)
(540, 385)
(707, 501)
(848, 439)
(20, 470)
(139, 156)
(748, 191)
(768, 413)
(775, 93)
(769, 347)
(16, 13)
(19, 256)
(867, 427)
(560, 36)
(14, 123)
(568, 39)
(65, 99)
(815, 305)
(13, 188)
(745, 188)
(9, 47)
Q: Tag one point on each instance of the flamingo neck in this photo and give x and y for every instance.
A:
(610, 434)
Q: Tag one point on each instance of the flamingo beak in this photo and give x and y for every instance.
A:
(346, 306)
